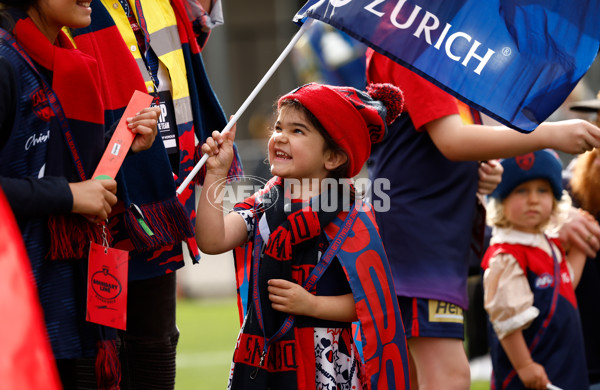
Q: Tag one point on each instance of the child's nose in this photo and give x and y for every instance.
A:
(280, 137)
(533, 197)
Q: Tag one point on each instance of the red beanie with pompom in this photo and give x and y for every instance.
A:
(354, 119)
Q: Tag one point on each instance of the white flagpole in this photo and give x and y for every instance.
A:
(248, 100)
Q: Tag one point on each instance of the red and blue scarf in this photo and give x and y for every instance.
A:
(77, 141)
(146, 182)
(73, 108)
(360, 252)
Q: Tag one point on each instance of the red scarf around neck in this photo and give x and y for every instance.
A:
(75, 78)
(75, 74)
(74, 82)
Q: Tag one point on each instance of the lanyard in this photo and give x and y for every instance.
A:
(140, 30)
(311, 281)
(135, 26)
(54, 105)
(142, 22)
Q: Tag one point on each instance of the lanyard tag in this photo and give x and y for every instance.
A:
(107, 286)
(121, 141)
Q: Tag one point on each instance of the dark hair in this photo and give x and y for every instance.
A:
(23, 4)
(330, 144)
(7, 21)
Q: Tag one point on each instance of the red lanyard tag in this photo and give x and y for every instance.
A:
(107, 286)
(122, 138)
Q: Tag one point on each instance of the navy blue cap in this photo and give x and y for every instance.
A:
(543, 164)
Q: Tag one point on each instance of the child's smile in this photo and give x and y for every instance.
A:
(279, 155)
(296, 148)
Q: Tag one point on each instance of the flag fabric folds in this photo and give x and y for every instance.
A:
(26, 361)
(515, 60)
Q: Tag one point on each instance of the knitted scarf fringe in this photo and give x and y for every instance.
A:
(70, 236)
(167, 220)
(236, 171)
(108, 366)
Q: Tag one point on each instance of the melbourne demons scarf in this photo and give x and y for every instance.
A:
(146, 180)
(356, 244)
(76, 143)
(77, 134)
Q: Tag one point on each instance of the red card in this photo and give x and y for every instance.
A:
(122, 139)
(107, 286)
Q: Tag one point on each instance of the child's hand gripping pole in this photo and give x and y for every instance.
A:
(248, 100)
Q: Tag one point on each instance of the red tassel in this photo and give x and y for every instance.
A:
(108, 366)
(236, 171)
(167, 219)
(70, 236)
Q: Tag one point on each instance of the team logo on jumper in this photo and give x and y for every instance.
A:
(41, 108)
(106, 286)
(440, 311)
(544, 281)
(525, 162)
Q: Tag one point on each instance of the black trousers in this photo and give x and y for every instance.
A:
(476, 319)
(147, 348)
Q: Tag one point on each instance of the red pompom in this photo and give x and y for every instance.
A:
(391, 97)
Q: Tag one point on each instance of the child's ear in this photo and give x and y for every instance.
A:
(335, 159)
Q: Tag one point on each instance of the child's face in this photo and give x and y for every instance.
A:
(296, 148)
(529, 205)
(58, 13)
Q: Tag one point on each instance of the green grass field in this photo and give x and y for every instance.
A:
(209, 329)
(208, 333)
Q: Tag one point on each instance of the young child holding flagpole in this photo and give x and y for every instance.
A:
(529, 281)
(311, 270)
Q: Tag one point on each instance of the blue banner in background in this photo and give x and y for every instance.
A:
(515, 60)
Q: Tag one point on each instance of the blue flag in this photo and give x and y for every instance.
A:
(515, 60)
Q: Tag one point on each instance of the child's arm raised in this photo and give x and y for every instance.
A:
(215, 232)
(457, 141)
(532, 374)
(290, 297)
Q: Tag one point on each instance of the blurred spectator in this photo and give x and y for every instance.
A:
(583, 176)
